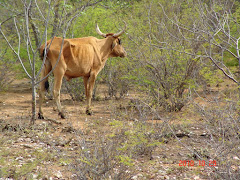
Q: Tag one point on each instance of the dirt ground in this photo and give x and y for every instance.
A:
(16, 102)
(37, 152)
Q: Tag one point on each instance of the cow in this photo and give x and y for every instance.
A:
(78, 57)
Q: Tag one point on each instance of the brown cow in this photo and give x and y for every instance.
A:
(80, 57)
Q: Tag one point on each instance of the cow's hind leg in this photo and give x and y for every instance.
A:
(58, 76)
(41, 99)
(44, 85)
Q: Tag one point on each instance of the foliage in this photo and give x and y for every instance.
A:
(75, 88)
(6, 71)
(115, 76)
(163, 73)
(139, 141)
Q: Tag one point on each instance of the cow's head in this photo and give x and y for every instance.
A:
(117, 49)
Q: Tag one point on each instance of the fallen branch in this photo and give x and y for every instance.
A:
(52, 121)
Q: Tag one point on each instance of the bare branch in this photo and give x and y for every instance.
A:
(19, 42)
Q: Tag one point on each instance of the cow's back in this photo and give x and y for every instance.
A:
(52, 45)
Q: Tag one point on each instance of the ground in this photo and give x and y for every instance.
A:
(53, 148)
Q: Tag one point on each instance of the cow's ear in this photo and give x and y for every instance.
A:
(113, 45)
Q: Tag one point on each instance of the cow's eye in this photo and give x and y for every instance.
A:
(119, 41)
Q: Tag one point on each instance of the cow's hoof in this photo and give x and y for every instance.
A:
(89, 112)
(40, 116)
(61, 114)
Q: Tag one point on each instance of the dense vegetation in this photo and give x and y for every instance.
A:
(178, 50)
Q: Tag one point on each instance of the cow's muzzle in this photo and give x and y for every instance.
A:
(124, 54)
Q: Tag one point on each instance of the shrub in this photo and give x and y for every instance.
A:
(114, 75)
(223, 126)
(100, 159)
(75, 88)
(6, 75)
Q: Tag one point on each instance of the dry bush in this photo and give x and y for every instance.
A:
(100, 159)
(111, 155)
(115, 76)
(222, 127)
(6, 75)
(75, 88)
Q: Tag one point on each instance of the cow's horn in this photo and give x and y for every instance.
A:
(99, 32)
(121, 32)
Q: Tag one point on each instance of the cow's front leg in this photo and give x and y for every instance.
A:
(91, 82)
(85, 80)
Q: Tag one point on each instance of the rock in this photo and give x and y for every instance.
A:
(161, 172)
(19, 158)
(58, 174)
(236, 158)
(137, 176)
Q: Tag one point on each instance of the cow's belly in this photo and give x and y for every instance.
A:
(81, 61)
(78, 71)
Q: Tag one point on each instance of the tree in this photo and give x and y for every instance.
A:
(211, 28)
(160, 71)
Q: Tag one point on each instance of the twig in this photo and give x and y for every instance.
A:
(53, 121)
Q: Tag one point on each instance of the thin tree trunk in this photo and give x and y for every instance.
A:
(56, 18)
(35, 32)
(33, 118)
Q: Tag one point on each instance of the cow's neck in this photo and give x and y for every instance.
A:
(105, 48)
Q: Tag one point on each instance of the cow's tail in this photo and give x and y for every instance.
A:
(46, 69)
(43, 52)
(46, 85)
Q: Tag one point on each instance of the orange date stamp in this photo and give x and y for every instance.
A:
(197, 163)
